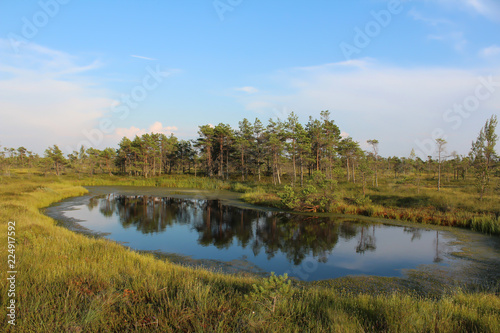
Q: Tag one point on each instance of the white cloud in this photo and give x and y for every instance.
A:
(444, 30)
(44, 99)
(487, 8)
(456, 39)
(359, 63)
(157, 127)
(491, 51)
(131, 132)
(142, 57)
(249, 90)
(418, 16)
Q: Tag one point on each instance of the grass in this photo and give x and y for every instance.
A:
(170, 181)
(67, 282)
(261, 197)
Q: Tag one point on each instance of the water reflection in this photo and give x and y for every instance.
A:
(366, 240)
(264, 234)
(221, 225)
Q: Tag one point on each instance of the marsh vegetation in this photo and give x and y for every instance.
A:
(72, 282)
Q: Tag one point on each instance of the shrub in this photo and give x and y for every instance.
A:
(309, 189)
(288, 197)
(362, 200)
(270, 291)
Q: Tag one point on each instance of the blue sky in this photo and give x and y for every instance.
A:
(402, 72)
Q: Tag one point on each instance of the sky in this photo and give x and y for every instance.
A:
(90, 72)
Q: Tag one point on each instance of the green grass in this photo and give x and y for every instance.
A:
(170, 181)
(68, 282)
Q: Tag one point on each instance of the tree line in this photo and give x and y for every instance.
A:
(283, 150)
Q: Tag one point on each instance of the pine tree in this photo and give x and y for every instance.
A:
(244, 141)
(483, 154)
(374, 144)
(56, 156)
(258, 151)
(205, 143)
(440, 143)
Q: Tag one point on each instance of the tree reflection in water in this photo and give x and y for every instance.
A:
(415, 232)
(296, 236)
(366, 241)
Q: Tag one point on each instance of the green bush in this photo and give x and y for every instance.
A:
(288, 197)
(309, 189)
(362, 200)
(269, 291)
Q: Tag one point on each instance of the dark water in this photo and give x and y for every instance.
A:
(306, 247)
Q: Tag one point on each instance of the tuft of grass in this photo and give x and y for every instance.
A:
(169, 181)
(241, 188)
(262, 198)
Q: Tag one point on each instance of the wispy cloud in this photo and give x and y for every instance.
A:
(248, 89)
(141, 57)
(455, 39)
(444, 30)
(486, 8)
(355, 63)
(45, 98)
(418, 16)
(491, 51)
